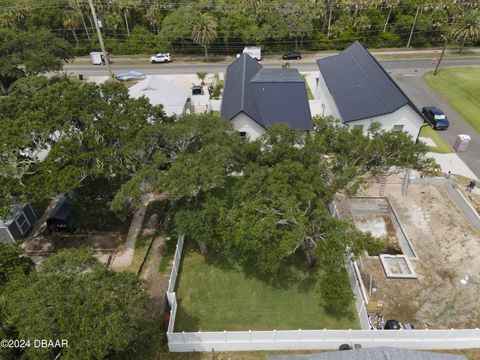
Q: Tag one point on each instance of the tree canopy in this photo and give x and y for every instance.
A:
(29, 53)
(76, 298)
(89, 132)
(143, 26)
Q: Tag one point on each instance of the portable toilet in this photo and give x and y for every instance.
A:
(96, 58)
(461, 143)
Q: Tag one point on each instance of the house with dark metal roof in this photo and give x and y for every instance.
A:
(355, 88)
(255, 98)
(380, 353)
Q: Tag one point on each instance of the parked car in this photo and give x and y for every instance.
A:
(435, 117)
(396, 325)
(161, 58)
(292, 56)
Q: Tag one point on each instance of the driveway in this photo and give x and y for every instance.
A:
(421, 95)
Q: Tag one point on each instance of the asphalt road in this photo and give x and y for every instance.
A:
(193, 68)
(407, 72)
(422, 95)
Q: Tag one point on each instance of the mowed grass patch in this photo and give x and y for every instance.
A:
(442, 146)
(214, 296)
(461, 88)
(309, 91)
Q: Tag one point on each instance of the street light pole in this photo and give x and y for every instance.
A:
(441, 56)
(100, 38)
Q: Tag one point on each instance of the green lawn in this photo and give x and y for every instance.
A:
(216, 296)
(461, 88)
(442, 146)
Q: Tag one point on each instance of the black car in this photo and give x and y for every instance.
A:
(292, 56)
(435, 117)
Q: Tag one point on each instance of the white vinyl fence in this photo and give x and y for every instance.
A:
(311, 339)
(360, 297)
(171, 297)
(322, 339)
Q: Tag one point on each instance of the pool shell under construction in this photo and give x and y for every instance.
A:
(445, 246)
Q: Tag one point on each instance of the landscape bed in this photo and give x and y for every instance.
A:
(215, 296)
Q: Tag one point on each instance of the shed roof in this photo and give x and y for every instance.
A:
(380, 353)
(360, 86)
(159, 91)
(267, 96)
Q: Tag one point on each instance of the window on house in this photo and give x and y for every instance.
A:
(358, 127)
(397, 127)
(243, 133)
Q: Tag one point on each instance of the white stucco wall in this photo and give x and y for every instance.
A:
(243, 123)
(405, 116)
(322, 94)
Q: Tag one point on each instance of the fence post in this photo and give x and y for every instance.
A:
(250, 335)
(183, 335)
(274, 335)
(299, 334)
(225, 332)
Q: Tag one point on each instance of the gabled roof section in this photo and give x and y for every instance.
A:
(237, 96)
(360, 86)
(267, 96)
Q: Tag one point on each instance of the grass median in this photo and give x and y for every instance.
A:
(461, 88)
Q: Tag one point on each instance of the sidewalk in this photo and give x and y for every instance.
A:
(452, 162)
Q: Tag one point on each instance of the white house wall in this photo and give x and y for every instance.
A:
(322, 94)
(405, 116)
(243, 123)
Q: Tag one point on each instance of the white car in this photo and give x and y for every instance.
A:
(160, 58)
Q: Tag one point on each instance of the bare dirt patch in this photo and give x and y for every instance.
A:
(445, 294)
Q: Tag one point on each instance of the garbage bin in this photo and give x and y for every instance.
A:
(80, 76)
(462, 142)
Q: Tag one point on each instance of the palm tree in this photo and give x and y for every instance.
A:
(466, 27)
(125, 6)
(152, 16)
(204, 31)
(391, 5)
(14, 14)
(71, 22)
(74, 4)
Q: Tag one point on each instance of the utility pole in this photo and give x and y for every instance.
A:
(413, 27)
(441, 56)
(100, 39)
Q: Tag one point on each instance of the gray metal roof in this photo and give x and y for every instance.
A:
(360, 86)
(277, 75)
(267, 96)
(380, 353)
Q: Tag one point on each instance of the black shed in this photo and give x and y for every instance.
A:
(60, 217)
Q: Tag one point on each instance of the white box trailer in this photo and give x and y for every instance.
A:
(96, 58)
(255, 52)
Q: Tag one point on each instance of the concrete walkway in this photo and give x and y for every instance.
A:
(452, 162)
(123, 258)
